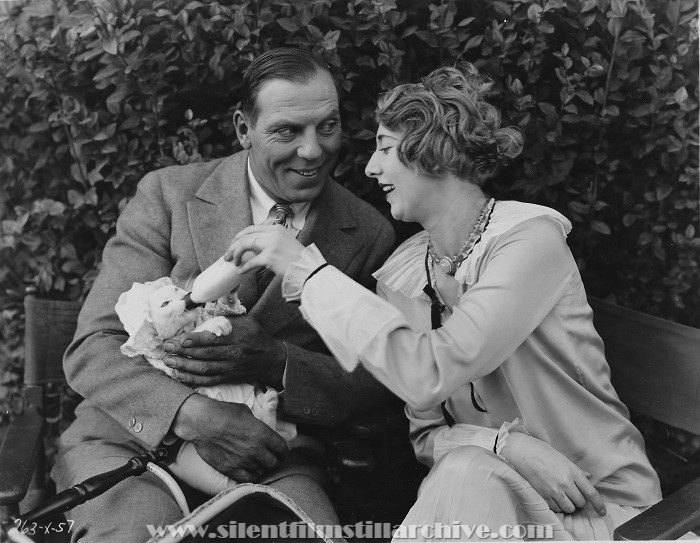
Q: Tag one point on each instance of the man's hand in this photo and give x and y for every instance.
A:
(229, 438)
(558, 480)
(248, 354)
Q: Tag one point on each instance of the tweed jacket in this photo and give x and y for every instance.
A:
(180, 221)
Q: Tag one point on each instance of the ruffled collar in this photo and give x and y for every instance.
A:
(404, 270)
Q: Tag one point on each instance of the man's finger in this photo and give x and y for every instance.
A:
(196, 367)
(266, 460)
(196, 339)
(195, 381)
(278, 446)
(244, 476)
(214, 354)
(591, 494)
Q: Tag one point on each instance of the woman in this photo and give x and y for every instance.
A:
(481, 325)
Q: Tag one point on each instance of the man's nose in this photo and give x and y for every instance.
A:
(310, 148)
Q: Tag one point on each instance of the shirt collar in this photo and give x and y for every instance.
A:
(261, 204)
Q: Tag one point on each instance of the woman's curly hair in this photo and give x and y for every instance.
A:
(449, 127)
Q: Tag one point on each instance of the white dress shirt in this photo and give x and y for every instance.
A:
(261, 204)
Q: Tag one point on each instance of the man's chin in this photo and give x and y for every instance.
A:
(302, 193)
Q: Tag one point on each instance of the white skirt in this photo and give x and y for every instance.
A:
(471, 487)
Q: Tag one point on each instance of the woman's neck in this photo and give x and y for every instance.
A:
(450, 226)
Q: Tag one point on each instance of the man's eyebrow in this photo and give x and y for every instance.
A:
(284, 122)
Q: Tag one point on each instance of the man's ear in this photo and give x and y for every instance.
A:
(241, 124)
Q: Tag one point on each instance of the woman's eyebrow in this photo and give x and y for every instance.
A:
(380, 137)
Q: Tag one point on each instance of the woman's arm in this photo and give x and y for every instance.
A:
(556, 478)
(525, 275)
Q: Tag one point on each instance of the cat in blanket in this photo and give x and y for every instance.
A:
(154, 311)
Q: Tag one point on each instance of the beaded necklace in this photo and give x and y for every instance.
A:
(449, 264)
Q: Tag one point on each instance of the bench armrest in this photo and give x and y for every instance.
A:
(671, 518)
(19, 452)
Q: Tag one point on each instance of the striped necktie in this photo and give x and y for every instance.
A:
(283, 212)
(265, 275)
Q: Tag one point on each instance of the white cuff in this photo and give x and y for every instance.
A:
(515, 426)
(293, 280)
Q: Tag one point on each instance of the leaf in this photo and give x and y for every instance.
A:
(534, 13)
(364, 134)
(614, 26)
(585, 96)
(474, 41)
(549, 110)
(663, 192)
(588, 5)
(110, 44)
(289, 24)
(681, 95)
(600, 227)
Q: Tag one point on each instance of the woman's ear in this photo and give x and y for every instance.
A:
(242, 126)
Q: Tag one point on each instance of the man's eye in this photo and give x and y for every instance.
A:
(328, 127)
(285, 133)
(165, 303)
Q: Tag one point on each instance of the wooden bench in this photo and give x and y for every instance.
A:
(655, 367)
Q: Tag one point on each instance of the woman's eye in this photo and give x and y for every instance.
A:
(165, 303)
(384, 150)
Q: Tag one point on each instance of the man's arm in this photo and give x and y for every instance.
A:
(316, 388)
(126, 388)
(143, 399)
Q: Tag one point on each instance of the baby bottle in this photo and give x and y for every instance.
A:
(216, 281)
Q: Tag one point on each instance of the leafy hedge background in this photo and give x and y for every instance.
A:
(101, 92)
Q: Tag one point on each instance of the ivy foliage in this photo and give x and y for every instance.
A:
(605, 91)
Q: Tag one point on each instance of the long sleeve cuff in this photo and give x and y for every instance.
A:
(297, 274)
(450, 438)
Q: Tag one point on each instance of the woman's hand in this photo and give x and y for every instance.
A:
(273, 247)
(558, 480)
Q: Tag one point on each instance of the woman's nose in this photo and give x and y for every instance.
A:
(372, 169)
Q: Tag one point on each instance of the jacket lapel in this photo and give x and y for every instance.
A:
(221, 210)
(329, 226)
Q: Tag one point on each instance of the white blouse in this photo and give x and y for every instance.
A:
(522, 333)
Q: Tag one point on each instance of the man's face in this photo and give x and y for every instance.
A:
(295, 139)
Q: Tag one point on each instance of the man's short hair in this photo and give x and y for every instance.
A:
(286, 63)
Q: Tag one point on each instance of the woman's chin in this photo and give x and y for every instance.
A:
(396, 212)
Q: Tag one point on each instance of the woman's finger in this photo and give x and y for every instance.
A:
(576, 497)
(243, 244)
(554, 506)
(591, 494)
(565, 504)
(251, 264)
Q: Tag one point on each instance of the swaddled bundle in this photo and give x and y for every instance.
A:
(154, 311)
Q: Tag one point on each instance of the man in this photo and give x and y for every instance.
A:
(180, 221)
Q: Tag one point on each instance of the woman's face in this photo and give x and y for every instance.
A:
(409, 193)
